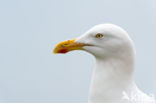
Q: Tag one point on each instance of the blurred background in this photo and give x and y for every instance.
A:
(29, 30)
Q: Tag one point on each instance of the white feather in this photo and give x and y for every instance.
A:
(112, 80)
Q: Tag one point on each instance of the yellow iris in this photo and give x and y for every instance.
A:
(99, 35)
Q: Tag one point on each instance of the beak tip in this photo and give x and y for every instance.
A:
(54, 52)
(61, 51)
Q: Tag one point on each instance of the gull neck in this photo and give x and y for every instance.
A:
(111, 77)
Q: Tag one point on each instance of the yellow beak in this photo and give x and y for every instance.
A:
(69, 45)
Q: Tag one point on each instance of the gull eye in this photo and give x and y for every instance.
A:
(99, 35)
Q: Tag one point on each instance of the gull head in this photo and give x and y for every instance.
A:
(103, 40)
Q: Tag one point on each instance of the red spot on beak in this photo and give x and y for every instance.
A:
(63, 51)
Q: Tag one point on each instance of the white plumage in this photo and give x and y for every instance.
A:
(112, 80)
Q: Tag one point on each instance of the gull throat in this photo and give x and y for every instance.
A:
(112, 77)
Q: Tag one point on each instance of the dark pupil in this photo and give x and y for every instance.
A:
(99, 35)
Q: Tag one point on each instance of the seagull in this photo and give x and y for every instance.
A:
(112, 80)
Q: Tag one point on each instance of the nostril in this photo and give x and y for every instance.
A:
(65, 44)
